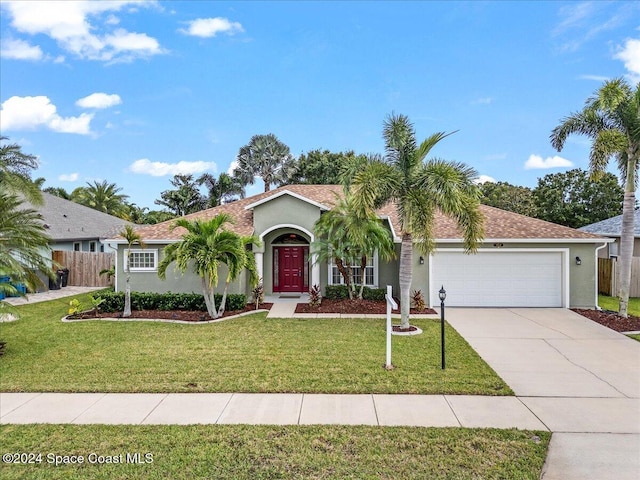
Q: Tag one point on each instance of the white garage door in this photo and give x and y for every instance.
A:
(498, 279)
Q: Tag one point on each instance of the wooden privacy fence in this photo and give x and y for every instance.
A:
(608, 277)
(85, 267)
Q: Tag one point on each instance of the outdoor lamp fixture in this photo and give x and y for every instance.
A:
(442, 294)
(578, 261)
(421, 260)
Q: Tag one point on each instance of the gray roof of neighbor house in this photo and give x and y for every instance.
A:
(613, 226)
(65, 220)
(499, 224)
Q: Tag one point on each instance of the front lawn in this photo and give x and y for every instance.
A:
(248, 354)
(265, 452)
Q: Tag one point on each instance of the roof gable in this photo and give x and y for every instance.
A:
(613, 226)
(285, 191)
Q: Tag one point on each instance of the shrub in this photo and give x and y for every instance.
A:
(315, 297)
(340, 292)
(114, 301)
(417, 298)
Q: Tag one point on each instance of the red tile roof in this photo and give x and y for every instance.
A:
(499, 224)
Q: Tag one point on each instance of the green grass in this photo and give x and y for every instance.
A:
(248, 354)
(265, 452)
(635, 336)
(611, 303)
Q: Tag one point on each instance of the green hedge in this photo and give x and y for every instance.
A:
(114, 301)
(340, 292)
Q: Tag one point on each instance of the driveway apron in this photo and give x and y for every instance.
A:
(582, 380)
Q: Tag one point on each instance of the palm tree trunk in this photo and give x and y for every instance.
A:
(626, 236)
(363, 266)
(209, 298)
(345, 275)
(127, 297)
(224, 300)
(406, 272)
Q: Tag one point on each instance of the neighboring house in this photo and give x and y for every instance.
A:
(522, 261)
(74, 227)
(612, 227)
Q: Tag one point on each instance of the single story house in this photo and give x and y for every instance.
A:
(522, 262)
(74, 227)
(612, 227)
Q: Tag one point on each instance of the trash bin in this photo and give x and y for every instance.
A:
(57, 283)
(65, 277)
(3, 279)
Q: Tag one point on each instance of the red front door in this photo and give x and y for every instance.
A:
(291, 269)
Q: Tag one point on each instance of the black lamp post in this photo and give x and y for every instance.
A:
(442, 294)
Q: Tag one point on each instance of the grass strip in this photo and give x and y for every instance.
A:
(270, 452)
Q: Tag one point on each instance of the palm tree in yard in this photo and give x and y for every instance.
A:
(206, 246)
(266, 157)
(349, 237)
(102, 196)
(419, 188)
(15, 171)
(611, 118)
(132, 238)
(223, 189)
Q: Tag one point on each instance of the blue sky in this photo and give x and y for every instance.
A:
(135, 92)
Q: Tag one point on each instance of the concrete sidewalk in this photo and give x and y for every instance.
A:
(278, 409)
(49, 295)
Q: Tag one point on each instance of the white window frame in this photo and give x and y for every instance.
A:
(79, 249)
(332, 265)
(92, 247)
(154, 252)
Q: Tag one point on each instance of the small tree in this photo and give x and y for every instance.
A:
(132, 238)
(266, 157)
(205, 246)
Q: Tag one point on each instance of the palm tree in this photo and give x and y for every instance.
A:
(185, 199)
(15, 175)
(266, 157)
(350, 236)
(223, 189)
(206, 246)
(102, 196)
(419, 189)
(24, 244)
(611, 118)
(133, 238)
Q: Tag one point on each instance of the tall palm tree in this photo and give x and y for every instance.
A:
(206, 246)
(419, 189)
(133, 238)
(611, 118)
(223, 189)
(15, 171)
(266, 157)
(350, 236)
(185, 199)
(24, 244)
(102, 196)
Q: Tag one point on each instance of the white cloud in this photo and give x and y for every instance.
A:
(537, 162)
(99, 100)
(630, 55)
(210, 27)
(482, 101)
(485, 179)
(160, 169)
(20, 50)
(597, 78)
(68, 177)
(27, 113)
(79, 27)
(232, 167)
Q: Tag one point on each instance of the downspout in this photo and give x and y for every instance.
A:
(598, 307)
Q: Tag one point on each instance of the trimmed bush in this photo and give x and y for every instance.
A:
(340, 292)
(114, 301)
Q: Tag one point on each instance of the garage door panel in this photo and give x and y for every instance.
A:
(500, 279)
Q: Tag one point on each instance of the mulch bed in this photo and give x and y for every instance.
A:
(184, 315)
(362, 307)
(611, 319)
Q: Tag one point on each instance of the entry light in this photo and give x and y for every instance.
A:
(578, 261)
(421, 260)
(442, 294)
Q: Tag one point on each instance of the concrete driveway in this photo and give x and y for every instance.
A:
(582, 380)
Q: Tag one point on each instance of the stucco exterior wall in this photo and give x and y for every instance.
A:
(284, 210)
